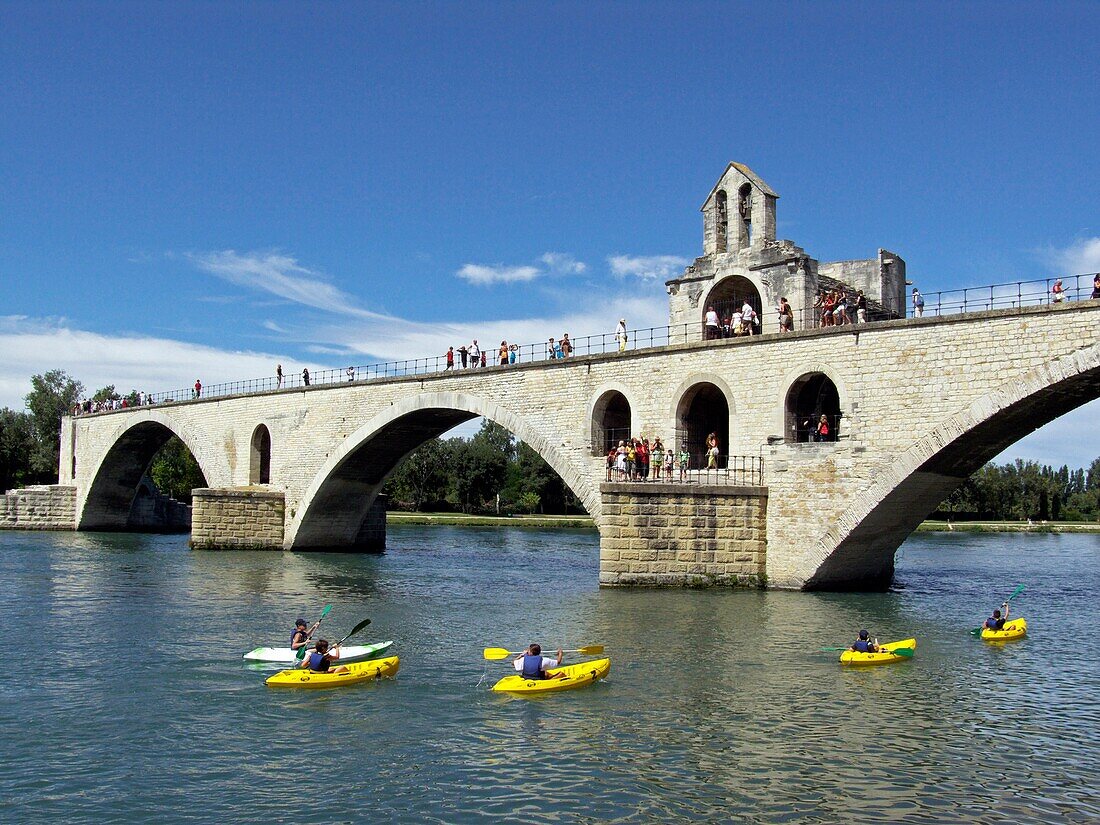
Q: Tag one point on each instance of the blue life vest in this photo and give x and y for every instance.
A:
(862, 646)
(995, 624)
(532, 667)
(318, 663)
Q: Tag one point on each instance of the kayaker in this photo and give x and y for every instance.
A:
(864, 644)
(321, 659)
(531, 664)
(300, 636)
(997, 620)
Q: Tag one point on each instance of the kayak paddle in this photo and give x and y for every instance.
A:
(977, 631)
(496, 653)
(354, 630)
(907, 652)
(301, 654)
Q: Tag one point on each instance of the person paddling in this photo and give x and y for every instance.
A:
(997, 620)
(299, 637)
(864, 644)
(531, 664)
(321, 659)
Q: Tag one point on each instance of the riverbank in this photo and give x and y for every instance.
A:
(1009, 527)
(541, 522)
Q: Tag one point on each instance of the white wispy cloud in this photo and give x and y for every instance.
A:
(485, 275)
(279, 275)
(152, 364)
(563, 263)
(1081, 256)
(647, 267)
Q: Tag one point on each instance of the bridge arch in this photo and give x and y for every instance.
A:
(611, 416)
(858, 549)
(335, 505)
(810, 396)
(131, 447)
(792, 383)
(703, 403)
(729, 294)
(259, 456)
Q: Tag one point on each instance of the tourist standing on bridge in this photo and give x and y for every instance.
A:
(278, 376)
(1095, 286)
(1057, 292)
(748, 317)
(198, 388)
(475, 355)
(551, 350)
(463, 354)
(786, 317)
(861, 308)
(513, 353)
(351, 373)
(918, 303)
(502, 354)
(620, 334)
(305, 376)
(450, 358)
(566, 345)
(712, 330)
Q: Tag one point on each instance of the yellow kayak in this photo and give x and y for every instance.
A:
(569, 677)
(356, 672)
(883, 657)
(1014, 629)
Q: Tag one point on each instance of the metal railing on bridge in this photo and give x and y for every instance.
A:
(736, 470)
(945, 302)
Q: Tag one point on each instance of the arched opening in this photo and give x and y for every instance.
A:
(728, 298)
(721, 220)
(744, 210)
(812, 410)
(147, 472)
(336, 510)
(259, 463)
(703, 412)
(610, 422)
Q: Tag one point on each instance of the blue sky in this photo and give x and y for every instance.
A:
(202, 189)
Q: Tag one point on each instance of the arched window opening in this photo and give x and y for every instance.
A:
(610, 422)
(721, 220)
(744, 209)
(259, 465)
(812, 410)
(728, 298)
(703, 420)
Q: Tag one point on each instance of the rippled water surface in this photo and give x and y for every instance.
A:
(126, 697)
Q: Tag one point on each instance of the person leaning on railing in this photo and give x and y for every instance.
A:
(1095, 286)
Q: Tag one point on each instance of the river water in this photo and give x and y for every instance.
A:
(126, 697)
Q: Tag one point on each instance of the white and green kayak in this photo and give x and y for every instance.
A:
(348, 653)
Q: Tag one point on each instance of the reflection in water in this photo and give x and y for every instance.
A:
(720, 705)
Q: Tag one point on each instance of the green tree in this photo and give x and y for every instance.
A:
(16, 446)
(496, 437)
(107, 393)
(175, 471)
(52, 396)
(423, 478)
(480, 470)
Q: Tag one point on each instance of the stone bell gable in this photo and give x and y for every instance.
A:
(744, 262)
(739, 212)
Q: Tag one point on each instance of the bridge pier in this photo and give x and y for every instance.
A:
(237, 518)
(662, 535)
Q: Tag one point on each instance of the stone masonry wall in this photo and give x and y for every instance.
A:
(240, 518)
(41, 507)
(672, 534)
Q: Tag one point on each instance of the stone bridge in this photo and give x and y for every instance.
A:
(918, 405)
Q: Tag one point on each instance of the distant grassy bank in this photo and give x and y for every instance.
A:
(572, 522)
(1009, 527)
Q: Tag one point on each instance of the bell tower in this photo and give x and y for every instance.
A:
(739, 212)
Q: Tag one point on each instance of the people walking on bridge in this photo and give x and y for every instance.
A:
(918, 303)
(484, 357)
(450, 358)
(620, 334)
(786, 317)
(198, 388)
(711, 325)
(1057, 292)
(513, 353)
(748, 318)
(305, 376)
(278, 376)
